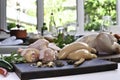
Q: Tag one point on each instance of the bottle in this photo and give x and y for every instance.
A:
(43, 29)
(52, 25)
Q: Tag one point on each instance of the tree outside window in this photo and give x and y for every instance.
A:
(95, 10)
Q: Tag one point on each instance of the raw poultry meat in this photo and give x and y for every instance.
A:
(39, 44)
(102, 42)
(30, 54)
(76, 51)
(47, 55)
(81, 53)
(47, 51)
(89, 39)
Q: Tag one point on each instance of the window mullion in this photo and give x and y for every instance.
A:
(80, 15)
(3, 14)
(118, 12)
(40, 14)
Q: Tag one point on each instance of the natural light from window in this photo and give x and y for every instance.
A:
(64, 12)
(22, 12)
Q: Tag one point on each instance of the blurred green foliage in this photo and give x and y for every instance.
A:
(63, 14)
(95, 10)
(11, 25)
(63, 40)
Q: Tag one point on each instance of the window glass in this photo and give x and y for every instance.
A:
(95, 10)
(64, 12)
(22, 12)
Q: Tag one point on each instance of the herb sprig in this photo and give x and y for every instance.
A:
(14, 57)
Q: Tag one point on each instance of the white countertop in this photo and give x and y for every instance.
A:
(106, 75)
(9, 49)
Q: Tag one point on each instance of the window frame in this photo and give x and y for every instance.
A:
(118, 13)
(40, 14)
(3, 14)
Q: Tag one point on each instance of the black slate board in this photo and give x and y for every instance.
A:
(112, 57)
(25, 71)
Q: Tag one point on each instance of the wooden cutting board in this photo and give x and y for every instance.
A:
(25, 71)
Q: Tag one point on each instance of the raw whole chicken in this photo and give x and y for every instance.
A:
(102, 42)
(30, 54)
(40, 50)
(47, 55)
(89, 39)
(81, 53)
(76, 51)
(39, 44)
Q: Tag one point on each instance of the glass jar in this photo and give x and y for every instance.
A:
(106, 24)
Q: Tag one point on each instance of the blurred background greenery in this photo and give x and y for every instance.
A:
(65, 13)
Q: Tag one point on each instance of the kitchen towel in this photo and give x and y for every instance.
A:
(11, 41)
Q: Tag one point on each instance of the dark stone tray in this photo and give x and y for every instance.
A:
(112, 57)
(25, 71)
